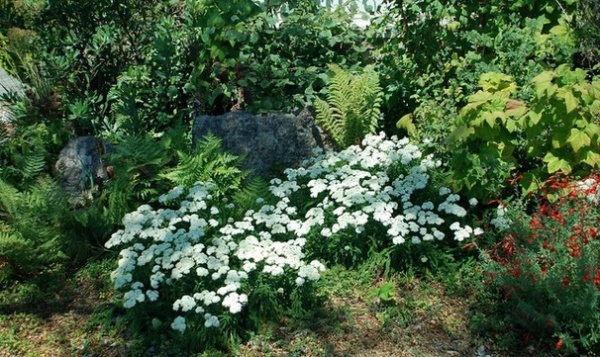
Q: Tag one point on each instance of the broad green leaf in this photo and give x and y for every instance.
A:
(555, 164)
(461, 133)
(530, 182)
(490, 118)
(471, 106)
(534, 117)
(592, 130)
(480, 96)
(561, 30)
(574, 76)
(581, 123)
(511, 125)
(494, 82)
(570, 101)
(543, 77)
(578, 139)
(590, 157)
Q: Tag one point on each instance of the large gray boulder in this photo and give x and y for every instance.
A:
(269, 142)
(81, 167)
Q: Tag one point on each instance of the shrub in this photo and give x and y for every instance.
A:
(368, 199)
(543, 276)
(555, 130)
(33, 235)
(195, 267)
(433, 57)
(197, 264)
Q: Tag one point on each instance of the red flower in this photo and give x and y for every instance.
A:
(536, 223)
(516, 272)
(596, 277)
(559, 344)
(509, 246)
(545, 244)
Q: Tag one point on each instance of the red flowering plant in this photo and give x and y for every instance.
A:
(544, 274)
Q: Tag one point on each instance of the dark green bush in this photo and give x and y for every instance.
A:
(433, 58)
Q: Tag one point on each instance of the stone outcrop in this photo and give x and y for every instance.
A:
(81, 167)
(11, 87)
(268, 142)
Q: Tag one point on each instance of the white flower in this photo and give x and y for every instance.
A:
(152, 295)
(185, 303)
(211, 320)
(178, 324)
(501, 222)
(234, 302)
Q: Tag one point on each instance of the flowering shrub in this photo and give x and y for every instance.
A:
(546, 269)
(194, 265)
(370, 197)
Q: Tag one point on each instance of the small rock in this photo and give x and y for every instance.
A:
(81, 168)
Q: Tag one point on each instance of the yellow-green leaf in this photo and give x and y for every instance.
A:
(535, 117)
(461, 132)
(543, 77)
(407, 124)
(480, 96)
(570, 101)
(511, 125)
(556, 164)
(591, 158)
(592, 129)
(578, 139)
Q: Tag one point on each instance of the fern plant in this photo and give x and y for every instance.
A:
(32, 239)
(136, 166)
(208, 162)
(353, 104)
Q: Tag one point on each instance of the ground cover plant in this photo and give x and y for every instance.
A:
(463, 188)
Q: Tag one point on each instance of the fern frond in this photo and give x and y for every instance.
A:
(330, 122)
(9, 199)
(369, 106)
(246, 197)
(208, 163)
(140, 151)
(353, 106)
(33, 164)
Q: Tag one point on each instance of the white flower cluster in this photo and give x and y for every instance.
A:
(354, 185)
(190, 243)
(500, 221)
(199, 244)
(590, 187)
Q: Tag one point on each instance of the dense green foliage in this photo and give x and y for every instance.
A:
(542, 277)
(556, 129)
